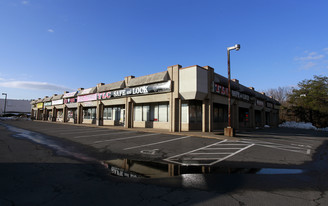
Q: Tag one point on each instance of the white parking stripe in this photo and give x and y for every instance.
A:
(285, 149)
(224, 148)
(67, 129)
(108, 133)
(188, 156)
(123, 138)
(196, 149)
(212, 153)
(279, 140)
(288, 148)
(79, 131)
(237, 144)
(233, 154)
(145, 145)
(301, 145)
(278, 146)
(199, 158)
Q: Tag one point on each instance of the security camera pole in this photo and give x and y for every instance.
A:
(229, 131)
(4, 109)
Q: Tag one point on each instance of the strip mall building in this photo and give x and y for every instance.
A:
(179, 99)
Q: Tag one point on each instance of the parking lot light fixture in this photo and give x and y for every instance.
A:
(229, 131)
(4, 108)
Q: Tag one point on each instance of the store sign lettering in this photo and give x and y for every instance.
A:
(122, 173)
(153, 88)
(244, 96)
(235, 93)
(56, 102)
(269, 105)
(47, 104)
(104, 95)
(259, 103)
(70, 100)
(68, 95)
(119, 93)
(86, 98)
(140, 90)
(224, 91)
(220, 89)
(39, 105)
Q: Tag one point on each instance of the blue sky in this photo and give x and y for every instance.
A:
(50, 46)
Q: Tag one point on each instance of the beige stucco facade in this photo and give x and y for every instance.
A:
(178, 99)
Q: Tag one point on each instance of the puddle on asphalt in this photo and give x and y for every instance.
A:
(274, 171)
(144, 169)
(137, 168)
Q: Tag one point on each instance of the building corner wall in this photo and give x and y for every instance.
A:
(207, 109)
(174, 102)
(99, 114)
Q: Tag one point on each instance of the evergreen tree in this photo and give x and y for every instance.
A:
(310, 101)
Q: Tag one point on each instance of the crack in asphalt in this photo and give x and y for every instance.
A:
(316, 201)
(289, 196)
(162, 197)
(9, 148)
(241, 203)
(8, 200)
(150, 199)
(58, 192)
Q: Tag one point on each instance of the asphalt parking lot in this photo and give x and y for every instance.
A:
(264, 148)
(58, 164)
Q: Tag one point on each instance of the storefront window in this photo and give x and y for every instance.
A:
(117, 113)
(267, 118)
(145, 112)
(152, 112)
(220, 113)
(60, 114)
(223, 114)
(243, 115)
(49, 114)
(163, 112)
(70, 114)
(113, 113)
(89, 113)
(195, 111)
(108, 113)
(138, 113)
(216, 114)
(184, 113)
(93, 113)
(258, 119)
(86, 114)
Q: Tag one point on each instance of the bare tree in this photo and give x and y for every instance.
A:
(280, 94)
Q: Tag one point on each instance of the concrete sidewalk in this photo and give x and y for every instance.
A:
(213, 135)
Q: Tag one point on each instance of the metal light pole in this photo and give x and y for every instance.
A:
(229, 131)
(4, 109)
